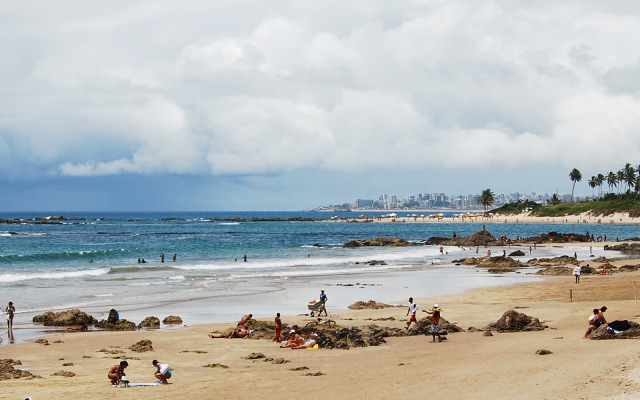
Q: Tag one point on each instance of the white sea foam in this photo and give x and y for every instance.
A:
(53, 275)
(229, 223)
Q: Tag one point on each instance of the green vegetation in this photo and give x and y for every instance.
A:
(622, 203)
(517, 207)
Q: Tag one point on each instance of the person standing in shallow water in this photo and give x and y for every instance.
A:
(10, 310)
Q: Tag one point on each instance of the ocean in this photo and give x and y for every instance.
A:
(90, 261)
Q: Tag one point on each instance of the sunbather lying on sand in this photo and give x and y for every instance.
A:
(234, 334)
(313, 339)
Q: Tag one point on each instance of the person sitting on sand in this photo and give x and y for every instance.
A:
(601, 319)
(245, 319)
(312, 341)
(117, 372)
(234, 334)
(294, 339)
(163, 371)
(593, 319)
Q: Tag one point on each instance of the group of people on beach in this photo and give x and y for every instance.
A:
(117, 375)
(435, 318)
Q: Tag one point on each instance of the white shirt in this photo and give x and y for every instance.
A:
(577, 270)
(413, 307)
(163, 368)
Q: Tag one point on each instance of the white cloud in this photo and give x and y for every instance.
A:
(256, 88)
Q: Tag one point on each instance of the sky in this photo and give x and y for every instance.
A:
(288, 105)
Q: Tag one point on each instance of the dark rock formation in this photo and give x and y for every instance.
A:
(371, 305)
(480, 238)
(517, 253)
(150, 322)
(142, 346)
(424, 327)
(381, 241)
(494, 264)
(513, 321)
(602, 333)
(121, 325)
(543, 352)
(64, 318)
(7, 371)
(172, 319)
(626, 248)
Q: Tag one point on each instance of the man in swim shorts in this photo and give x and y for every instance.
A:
(413, 307)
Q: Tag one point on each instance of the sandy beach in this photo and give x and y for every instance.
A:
(466, 366)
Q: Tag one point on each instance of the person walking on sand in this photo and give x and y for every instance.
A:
(10, 310)
(576, 272)
(435, 322)
(278, 322)
(413, 308)
(116, 372)
(163, 371)
(323, 300)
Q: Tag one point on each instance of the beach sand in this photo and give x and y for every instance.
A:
(466, 366)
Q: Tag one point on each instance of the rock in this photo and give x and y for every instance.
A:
(424, 327)
(254, 356)
(172, 319)
(150, 322)
(513, 321)
(480, 238)
(64, 318)
(487, 333)
(42, 341)
(517, 253)
(555, 261)
(381, 241)
(66, 374)
(626, 248)
(7, 371)
(543, 352)
(555, 271)
(602, 333)
(370, 305)
(120, 325)
(142, 346)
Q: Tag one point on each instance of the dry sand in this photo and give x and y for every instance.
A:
(466, 366)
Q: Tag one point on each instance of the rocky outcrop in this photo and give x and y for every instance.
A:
(142, 346)
(513, 321)
(493, 264)
(480, 238)
(150, 322)
(172, 319)
(602, 333)
(120, 325)
(369, 305)
(424, 327)
(381, 241)
(517, 253)
(625, 248)
(64, 318)
(7, 370)
(555, 261)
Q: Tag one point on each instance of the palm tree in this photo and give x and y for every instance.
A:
(599, 182)
(629, 176)
(612, 180)
(592, 183)
(555, 200)
(486, 198)
(620, 179)
(575, 176)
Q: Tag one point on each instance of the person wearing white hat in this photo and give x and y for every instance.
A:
(435, 322)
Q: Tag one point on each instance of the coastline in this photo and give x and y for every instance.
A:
(468, 365)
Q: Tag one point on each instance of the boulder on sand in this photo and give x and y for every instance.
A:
(150, 322)
(64, 318)
(172, 319)
(381, 241)
(513, 321)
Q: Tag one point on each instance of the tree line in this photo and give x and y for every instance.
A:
(627, 178)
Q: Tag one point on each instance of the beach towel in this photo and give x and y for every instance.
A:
(620, 325)
(140, 384)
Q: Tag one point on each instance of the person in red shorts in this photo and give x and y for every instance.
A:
(413, 307)
(278, 337)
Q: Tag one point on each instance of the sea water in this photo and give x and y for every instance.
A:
(90, 261)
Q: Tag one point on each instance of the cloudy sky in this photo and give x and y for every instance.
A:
(287, 105)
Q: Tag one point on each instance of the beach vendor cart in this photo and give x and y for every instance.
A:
(316, 307)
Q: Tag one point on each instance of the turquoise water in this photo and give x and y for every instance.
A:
(90, 262)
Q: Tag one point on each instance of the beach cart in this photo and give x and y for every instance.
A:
(317, 306)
